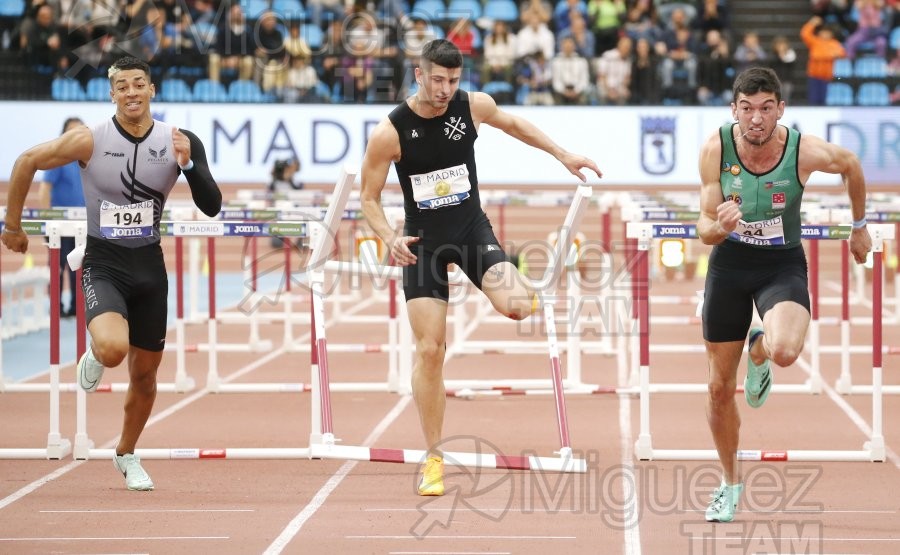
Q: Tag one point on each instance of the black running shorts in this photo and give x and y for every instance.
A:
(740, 275)
(132, 282)
(474, 253)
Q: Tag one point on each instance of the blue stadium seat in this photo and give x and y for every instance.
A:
(176, 90)
(12, 8)
(65, 89)
(839, 94)
(254, 8)
(244, 90)
(98, 89)
(504, 10)
(207, 90)
(429, 10)
(843, 68)
(870, 68)
(501, 91)
(873, 93)
(289, 10)
(204, 35)
(894, 39)
(313, 35)
(458, 9)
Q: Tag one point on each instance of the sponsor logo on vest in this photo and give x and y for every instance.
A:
(126, 232)
(443, 201)
(114, 154)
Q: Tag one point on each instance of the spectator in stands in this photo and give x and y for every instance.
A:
(357, 71)
(324, 12)
(562, 14)
(202, 11)
(234, 49)
(499, 54)
(712, 16)
(415, 34)
(301, 83)
(571, 75)
(749, 53)
(640, 22)
(373, 42)
(835, 12)
(333, 54)
(715, 72)
(461, 34)
(613, 71)
(294, 44)
(535, 35)
(644, 74)
(271, 64)
(824, 49)
(61, 187)
(679, 71)
(784, 62)
(606, 17)
(143, 36)
(678, 20)
(537, 77)
(542, 9)
(41, 44)
(871, 28)
(585, 42)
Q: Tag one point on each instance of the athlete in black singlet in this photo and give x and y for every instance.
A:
(430, 137)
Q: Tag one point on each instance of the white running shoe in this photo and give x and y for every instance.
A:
(90, 371)
(136, 478)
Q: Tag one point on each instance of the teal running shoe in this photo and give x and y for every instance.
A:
(724, 502)
(758, 382)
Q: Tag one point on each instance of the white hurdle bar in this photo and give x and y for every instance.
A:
(873, 450)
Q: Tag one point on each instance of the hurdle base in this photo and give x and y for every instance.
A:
(865, 455)
(469, 460)
(643, 448)
(83, 447)
(57, 447)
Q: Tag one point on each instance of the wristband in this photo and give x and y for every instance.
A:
(188, 166)
(19, 231)
(859, 224)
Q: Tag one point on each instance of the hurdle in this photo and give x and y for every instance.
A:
(322, 438)
(57, 446)
(872, 451)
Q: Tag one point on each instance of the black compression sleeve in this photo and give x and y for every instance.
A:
(204, 190)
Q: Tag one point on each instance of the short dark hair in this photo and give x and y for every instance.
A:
(442, 53)
(756, 79)
(127, 62)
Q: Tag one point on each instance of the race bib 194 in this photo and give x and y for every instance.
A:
(127, 221)
(440, 188)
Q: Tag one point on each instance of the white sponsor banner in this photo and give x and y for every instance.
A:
(633, 146)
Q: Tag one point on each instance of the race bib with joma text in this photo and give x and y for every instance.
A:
(440, 188)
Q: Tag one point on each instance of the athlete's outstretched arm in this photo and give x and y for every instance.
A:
(817, 154)
(74, 145)
(204, 190)
(484, 109)
(382, 150)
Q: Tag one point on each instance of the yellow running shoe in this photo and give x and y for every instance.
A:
(432, 482)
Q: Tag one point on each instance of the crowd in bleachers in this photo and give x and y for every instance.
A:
(565, 52)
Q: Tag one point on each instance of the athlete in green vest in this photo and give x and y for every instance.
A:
(753, 174)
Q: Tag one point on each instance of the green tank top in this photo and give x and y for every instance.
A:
(770, 202)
